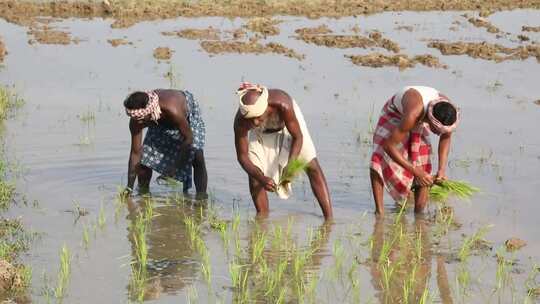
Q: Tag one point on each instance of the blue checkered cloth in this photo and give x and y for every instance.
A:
(161, 146)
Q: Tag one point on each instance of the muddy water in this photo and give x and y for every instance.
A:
(67, 161)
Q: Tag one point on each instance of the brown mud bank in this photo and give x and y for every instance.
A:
(378, 60)
(487, 51)
(128, 13)
(3, 51)
(250, 47)
(375, 39)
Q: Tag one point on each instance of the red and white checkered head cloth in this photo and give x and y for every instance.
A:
(259, 107)
(435, 123)
(152, 108)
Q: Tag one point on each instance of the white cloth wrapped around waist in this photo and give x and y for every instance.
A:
(270, 151)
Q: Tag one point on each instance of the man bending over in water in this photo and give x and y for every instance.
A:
(401, 146)
(269, 132)
(173, 143)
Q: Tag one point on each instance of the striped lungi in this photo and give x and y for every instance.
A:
(416, 148)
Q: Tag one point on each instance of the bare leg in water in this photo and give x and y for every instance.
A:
(320, 188)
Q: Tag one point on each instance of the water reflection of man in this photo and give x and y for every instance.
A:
(402, 257)
(170, 267)
(401, 146)
(173, 143)
(270, 132)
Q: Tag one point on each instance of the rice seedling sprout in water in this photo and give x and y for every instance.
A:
(64, 273)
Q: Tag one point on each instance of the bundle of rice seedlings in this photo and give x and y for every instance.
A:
(440, 191)
(293, 169)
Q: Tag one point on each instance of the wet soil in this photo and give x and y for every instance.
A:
(250, 47)
(513, 244)
(530, 28)
(196, 34)
(10, 277)
(163, 53)
(263, 26)
(375, 39)
(319, 30)
(483, 22)
(487, 51)
(3, 50)
(49, 35)
(118, 41)
(378, 60)
(21, 12)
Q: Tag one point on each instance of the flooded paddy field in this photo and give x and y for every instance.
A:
(71, 141)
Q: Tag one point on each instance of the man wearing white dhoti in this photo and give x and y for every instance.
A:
(270, 132)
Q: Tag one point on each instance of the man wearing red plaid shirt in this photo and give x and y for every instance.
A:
(401, 146)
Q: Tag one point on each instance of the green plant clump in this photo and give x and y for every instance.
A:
(441, 191)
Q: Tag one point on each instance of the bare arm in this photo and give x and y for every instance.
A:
(293, 126)
(412, 113)
(444, 148)
(241, 144)
(135, 152)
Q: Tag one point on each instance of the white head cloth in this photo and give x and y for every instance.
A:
(259, 107)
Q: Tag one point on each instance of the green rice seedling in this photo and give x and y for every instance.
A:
(441, 191)
(355, 283)
(8, 102)
(468, 243)
(7, 192)
(193, 230)
(102, 219)
(64, 273)
(292, 170)
(206, 268)
(138, 281)
(277, 238)
(192, 295)
(85, 237)
(259, 243)
(87, 117)
(425, 298)
(387, 274)
(418, 246)
(502, 275)
(138, 230)
(339, 257)
(235, 273)
(236, 222)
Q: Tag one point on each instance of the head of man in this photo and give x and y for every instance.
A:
(253, 103)
(143, 106)
(442, 116)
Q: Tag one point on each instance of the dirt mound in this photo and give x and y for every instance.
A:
(162, 53)
(10, 277)
(482, 22)
(196, 34)
(3, 50)
(530, 28)
(319, 30)
(513, 244)
(253, 47)
(49, 35)
(378, 60)
(264, 26)
(118, 42)
(21, 12)
(487, 51)
(384, 42)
